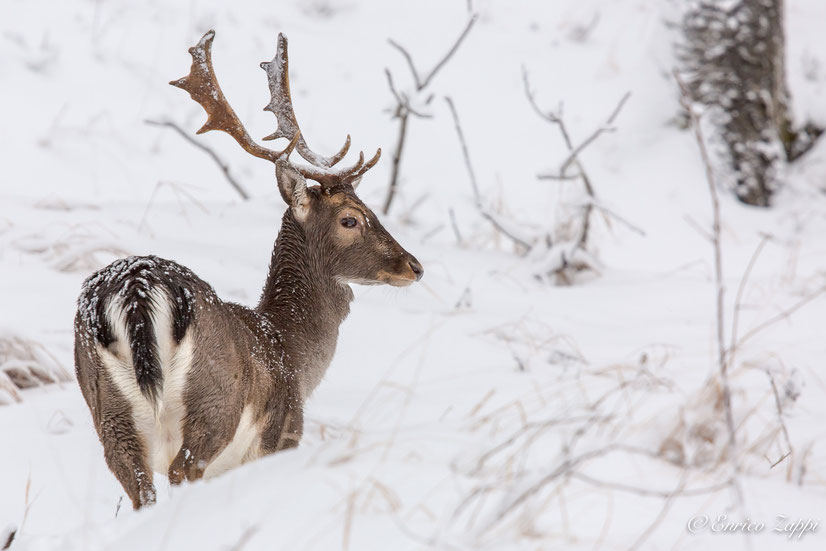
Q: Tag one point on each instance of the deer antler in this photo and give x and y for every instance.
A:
(202, 85)
(281, 105)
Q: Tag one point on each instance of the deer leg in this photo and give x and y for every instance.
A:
(124, 451)
(283, 430)
(209, 426)
(202, 443)
(123, 448)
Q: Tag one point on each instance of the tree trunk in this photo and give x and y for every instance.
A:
(734, 57)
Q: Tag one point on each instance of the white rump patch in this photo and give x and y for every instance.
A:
(159, 424)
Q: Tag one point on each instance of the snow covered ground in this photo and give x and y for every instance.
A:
(481, 408)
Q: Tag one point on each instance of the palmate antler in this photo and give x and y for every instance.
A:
(202, 85)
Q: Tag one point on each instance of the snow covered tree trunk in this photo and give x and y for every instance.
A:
(734, 59)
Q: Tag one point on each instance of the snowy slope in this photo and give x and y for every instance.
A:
(449, 400)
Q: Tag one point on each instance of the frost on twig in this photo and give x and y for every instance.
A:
(413, 103)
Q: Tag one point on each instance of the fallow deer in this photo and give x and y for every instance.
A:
(182, 383)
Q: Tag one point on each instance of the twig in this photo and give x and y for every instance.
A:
(781, 316)
(574, 152)
(455, 226)
(687, 101)
(563, 469)
(558, 177)
(471, 173)
(450, 52)
(246, 536)
(779, 461)
(397, 159)
(594, 135)
(402, 101)
(409, 60)
(539, 426)
(646, 492)
(661, 515)
(605, 210)
(403, 108)
(221, 164)
(779, 405)
(732, 349)
(476, 196)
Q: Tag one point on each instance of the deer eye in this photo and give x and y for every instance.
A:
(349, 222)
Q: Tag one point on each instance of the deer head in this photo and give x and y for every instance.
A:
(344, 232)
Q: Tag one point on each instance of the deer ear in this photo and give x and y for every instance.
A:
(293, 188)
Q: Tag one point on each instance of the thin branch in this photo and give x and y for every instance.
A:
(402, 101)
(732, 349)
(422, 84)
(558, 177)
(450, 52)
(778, 404)
(634, 228)
(476, 196)
(549, 116)
(471, 173)
(392, 86)
(661, 515)
(779, 461)
(781, 316)
(397, 159)
(403, 107)
(221, 164)
(646, 492)
(687, 101)
(574, 154)
(455, 226)
(409, 60)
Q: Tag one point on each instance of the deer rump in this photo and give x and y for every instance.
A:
(136, 317)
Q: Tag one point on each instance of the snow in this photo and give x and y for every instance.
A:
(448, 400)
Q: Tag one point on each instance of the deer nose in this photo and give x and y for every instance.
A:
(417, 268)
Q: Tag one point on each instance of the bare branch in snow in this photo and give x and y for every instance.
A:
(455, 226)
(781, 316)
(450, 52)
(779, 405)
(738, 301)
(573, 160)
(404, 109)
(221, 164)
(477, 199)
(624, 221)
(607, 127)
(722, 364)
(410, 64)
(403, 114)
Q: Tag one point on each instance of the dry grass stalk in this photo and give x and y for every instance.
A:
(25, 364)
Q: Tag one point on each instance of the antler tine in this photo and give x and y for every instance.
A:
(202, 85)
(280, 105)
(367, 166)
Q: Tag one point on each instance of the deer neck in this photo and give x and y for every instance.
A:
(304, 303)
